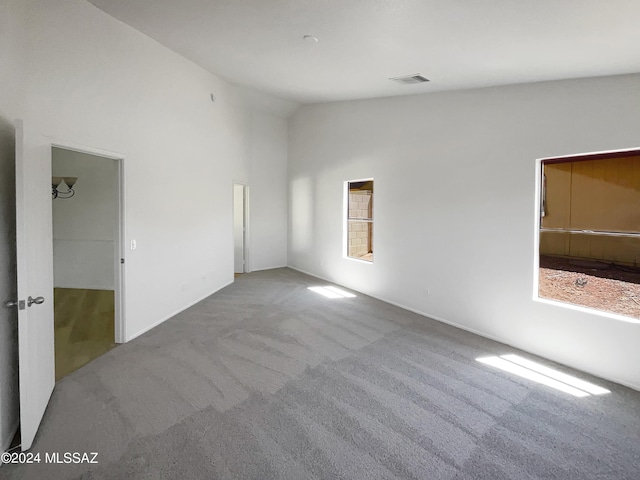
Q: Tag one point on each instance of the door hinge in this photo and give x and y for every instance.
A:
(122, 260)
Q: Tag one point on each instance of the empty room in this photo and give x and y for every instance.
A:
(385, 239)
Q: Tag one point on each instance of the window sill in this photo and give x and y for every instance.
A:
(367, 262)
(592, 311)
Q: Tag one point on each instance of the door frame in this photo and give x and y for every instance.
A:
(120, 324)
(246, 251)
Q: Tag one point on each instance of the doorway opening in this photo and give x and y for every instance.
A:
(86, 211)
(240, 228)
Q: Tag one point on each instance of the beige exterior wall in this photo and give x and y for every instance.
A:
(597, 196)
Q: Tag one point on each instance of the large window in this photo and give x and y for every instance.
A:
(360, 219)
(590, 232)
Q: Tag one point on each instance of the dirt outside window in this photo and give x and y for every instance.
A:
(592, 284)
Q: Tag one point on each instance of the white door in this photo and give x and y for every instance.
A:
(238, 229)
(34, 250)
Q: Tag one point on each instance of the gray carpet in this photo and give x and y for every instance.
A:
(268, 380)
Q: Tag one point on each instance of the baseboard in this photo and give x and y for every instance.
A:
(266, 268)
(471, 330)
(182, 309)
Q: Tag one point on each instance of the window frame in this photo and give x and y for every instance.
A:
(537, 228)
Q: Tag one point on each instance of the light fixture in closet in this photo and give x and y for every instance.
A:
(68, 181)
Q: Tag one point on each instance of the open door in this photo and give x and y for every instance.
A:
(239, 228)
(35, 279)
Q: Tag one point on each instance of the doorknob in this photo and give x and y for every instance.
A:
(37, 300)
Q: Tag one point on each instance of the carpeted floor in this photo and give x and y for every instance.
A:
(269, 380)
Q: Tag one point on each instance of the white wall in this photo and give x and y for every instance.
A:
(92, 81)
(268, 196)
(85, 225)
(454, 205)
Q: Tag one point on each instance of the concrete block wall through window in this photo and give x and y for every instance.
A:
(360, 220)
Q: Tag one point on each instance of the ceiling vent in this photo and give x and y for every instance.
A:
(410, 79)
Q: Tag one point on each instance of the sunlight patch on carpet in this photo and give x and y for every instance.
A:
(544, 375)
(332, 292)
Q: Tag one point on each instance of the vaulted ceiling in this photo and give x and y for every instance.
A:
(457, 44)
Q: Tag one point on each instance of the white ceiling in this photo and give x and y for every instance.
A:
(362, 43)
